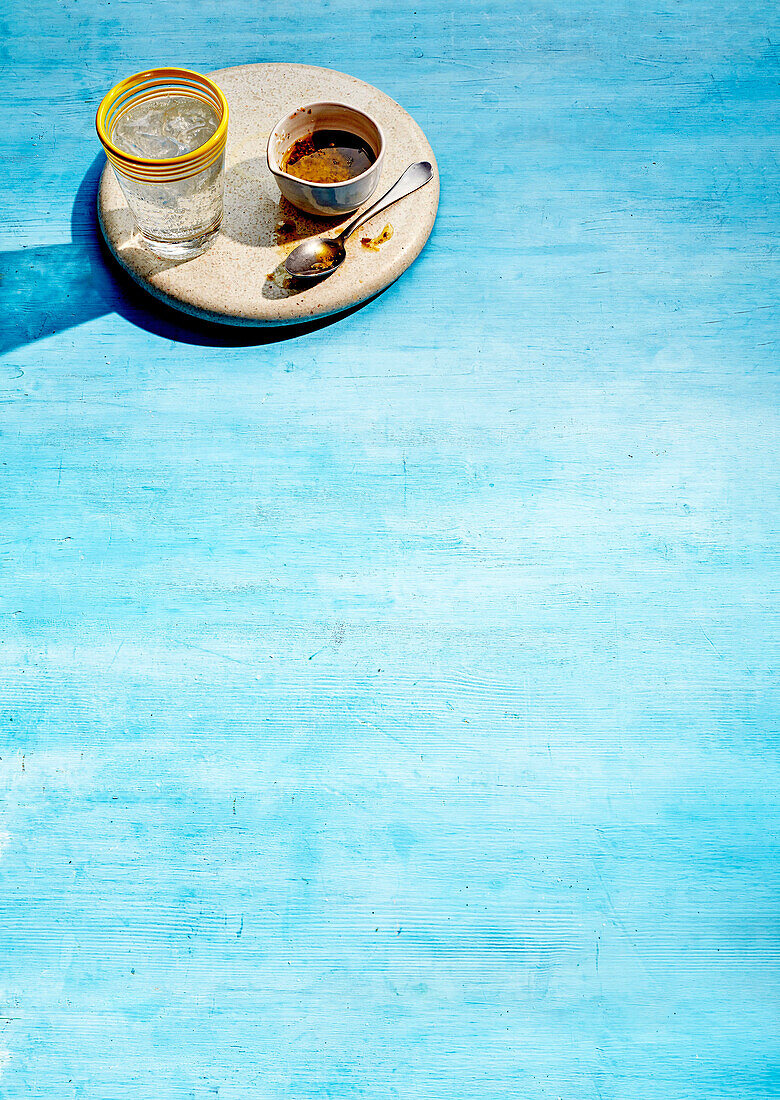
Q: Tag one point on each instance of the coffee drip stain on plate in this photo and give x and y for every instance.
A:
(290, 228)
(279, 284)
(293, 226)
(284, 232)
(373, 243)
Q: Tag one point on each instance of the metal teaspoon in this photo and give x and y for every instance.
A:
(320, 256)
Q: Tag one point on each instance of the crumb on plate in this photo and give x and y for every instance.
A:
(374, 242)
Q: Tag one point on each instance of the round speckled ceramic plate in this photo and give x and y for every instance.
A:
(240, 280)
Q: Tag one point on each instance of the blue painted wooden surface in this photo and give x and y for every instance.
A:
(388, 708)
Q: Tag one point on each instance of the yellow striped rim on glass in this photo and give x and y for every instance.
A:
(176, 201)
(154, 84)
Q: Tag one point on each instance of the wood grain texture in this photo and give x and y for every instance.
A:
(389, 710)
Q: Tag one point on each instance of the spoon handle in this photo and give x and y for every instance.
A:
(415, 176)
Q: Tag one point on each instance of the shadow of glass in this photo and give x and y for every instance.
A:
(50, 289)
(46, 290)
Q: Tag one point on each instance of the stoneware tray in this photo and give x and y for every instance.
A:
(240, 280)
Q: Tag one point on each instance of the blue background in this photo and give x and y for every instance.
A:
(388, 707)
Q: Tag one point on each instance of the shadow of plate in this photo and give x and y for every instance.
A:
(50, 289)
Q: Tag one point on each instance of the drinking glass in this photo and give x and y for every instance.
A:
(164, 132)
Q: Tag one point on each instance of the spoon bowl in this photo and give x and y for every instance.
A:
(320, 256)
(315, 258)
